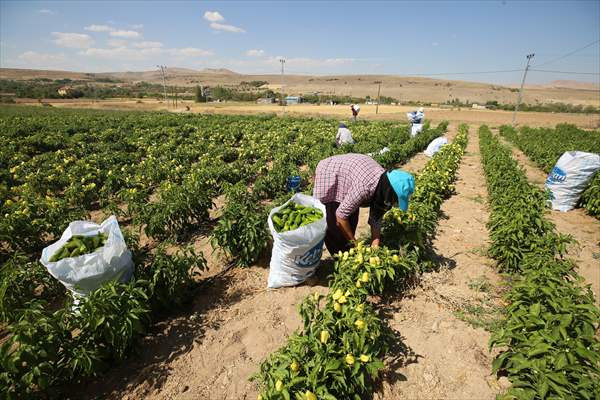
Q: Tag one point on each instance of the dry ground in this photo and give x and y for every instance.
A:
(404, 88)
(385, 112)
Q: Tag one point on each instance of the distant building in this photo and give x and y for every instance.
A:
(293, 100)
(478, 107)
(266, 100)
(65, 91)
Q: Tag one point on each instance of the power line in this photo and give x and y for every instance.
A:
(568, 54)
(565, 72)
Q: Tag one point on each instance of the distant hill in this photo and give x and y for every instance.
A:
(403, 88)
(574, 85)
(218, 71)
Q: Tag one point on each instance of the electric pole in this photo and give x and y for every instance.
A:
(378, 93)
(514, 118)
(282, 61)
(163, 68)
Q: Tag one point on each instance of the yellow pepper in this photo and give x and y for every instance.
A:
(324, 337)
(294, 367)
(349, 359)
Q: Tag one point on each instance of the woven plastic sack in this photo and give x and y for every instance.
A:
(296, 254)
(86, 273)
(569, 178)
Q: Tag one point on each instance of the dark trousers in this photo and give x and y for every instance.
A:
(334, 238)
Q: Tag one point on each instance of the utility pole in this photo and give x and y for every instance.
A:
(163, 68)
(514, 118)
(378, 93)
(282, 61)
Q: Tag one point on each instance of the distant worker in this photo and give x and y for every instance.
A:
(416, 120)
(344, 136)
(355, 110)
(416, 117)
(344, 183)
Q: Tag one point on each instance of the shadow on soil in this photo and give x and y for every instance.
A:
(166, 340)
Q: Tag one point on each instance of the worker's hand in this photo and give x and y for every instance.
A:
(375, 243)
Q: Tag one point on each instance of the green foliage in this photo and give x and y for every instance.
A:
(172, 277)
(550, 324)
(241, 231)
(22, 281)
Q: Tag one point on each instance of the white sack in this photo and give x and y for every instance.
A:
(569, 178)
(85, 273)
(296, 254)
(415, 129)
(435, 146)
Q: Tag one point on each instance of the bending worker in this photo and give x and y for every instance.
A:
(344, 136)
(346, 182)
(355, 110)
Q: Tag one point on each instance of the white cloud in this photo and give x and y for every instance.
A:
(46, 11)
(145, 45)
(137, 26)
(117, 43)
(227, 28)
(191, 52)
(213, 16)
(124, 53)
(126, 34)
(255, 53)
(33, 58)
(99, 28)
(72, 40)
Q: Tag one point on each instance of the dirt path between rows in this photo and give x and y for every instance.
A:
(584, 228)
(444, 357)
(211, 349)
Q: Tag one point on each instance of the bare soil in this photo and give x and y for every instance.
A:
(370, 112)
(443, 356)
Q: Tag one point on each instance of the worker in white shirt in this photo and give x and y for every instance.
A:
(344, 136)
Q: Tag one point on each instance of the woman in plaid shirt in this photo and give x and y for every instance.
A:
(344, 183)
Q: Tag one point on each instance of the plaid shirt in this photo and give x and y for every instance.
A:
(349, 179)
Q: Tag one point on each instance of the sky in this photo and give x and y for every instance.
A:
(449, 39)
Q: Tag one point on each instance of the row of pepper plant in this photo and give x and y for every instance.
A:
(548, 337)
(544, 146)
(339, 352)
(160, 174)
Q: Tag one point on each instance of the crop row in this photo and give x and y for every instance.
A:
(339, 352)
(549, 328)
(544, 146)
(159, 173)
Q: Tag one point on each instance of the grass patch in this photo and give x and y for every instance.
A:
(477, 199)
(481, 250)
(481, 284)
(482, 312)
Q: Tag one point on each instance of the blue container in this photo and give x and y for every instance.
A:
(293, 183)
